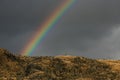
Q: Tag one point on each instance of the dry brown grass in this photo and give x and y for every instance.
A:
(115, 64)
(56, 68)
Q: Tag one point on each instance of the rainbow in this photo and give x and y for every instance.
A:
(48, 24)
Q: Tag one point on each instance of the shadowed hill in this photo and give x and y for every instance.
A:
(56, 68)
(9, 64)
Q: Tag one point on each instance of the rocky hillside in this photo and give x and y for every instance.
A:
(13, 67)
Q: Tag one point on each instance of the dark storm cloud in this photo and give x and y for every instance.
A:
(85, 26)
(98, 11)
(83, 29)
(91, 19)
(18, 16)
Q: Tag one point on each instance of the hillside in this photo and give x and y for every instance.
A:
(13, 67)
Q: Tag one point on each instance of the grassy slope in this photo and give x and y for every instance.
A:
(56, 68)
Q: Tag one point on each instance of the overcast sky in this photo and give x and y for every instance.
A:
(90, 28)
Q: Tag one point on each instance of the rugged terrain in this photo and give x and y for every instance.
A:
(14, 67)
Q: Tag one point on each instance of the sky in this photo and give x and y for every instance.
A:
(90, 28)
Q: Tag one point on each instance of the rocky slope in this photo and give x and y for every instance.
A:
(67, 67)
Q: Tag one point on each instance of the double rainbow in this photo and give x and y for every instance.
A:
(48, 24)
